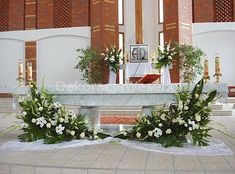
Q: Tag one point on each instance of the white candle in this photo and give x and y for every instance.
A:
(29, 71)
(20, 69)
(217, 65)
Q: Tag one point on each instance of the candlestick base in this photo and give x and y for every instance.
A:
(217, 76)
(21, 81)
(206, 78)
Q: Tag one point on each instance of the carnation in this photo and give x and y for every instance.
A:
(82, 135)
(48, 125)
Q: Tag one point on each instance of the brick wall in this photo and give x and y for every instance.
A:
(30, 14)
(80, 13)
(16, 15)
(45, 14)
(4, 15)
(203, 10)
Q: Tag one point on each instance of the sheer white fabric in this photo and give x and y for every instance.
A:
(112, 77)
(166, 78)
(215, 147)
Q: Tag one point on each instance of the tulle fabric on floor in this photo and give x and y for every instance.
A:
(215, 147)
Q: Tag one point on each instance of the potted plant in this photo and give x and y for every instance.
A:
(89, 64)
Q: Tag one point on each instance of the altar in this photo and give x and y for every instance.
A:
(91, 97)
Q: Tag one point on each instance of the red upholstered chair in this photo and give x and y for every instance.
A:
(231, 91)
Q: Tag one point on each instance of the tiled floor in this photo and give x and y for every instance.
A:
(113, 158)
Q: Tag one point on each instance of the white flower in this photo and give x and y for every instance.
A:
(41, 121)
(24, 125)
(33, 120)
(82, 135)
(197, 117)
(174, 120)
(180, 105)
(138, 135)
(48, 125)
(57, 105)
(61, 120)
(157, 132)
(168, 131)
(185, 125)
(190, 128)
(95, 132)
(196, 96)
(150, 133)
(40, 108)
(24, 113)
(53, 122)
(186, 107)
(96, 137)
(163, 117)
(59, 129)
(160, 124)
(72, 133)
(35, 99)
(125, 133)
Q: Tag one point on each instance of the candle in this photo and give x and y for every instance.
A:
(20, 69)
(29, 71)
(206, 69)
(217, 65)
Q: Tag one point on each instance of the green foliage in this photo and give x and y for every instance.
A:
(42, 118)
(172, 125)
(190, 61)
(89, 64)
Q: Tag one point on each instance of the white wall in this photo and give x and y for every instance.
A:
(215, 38)
(151, 28)
(56, 55)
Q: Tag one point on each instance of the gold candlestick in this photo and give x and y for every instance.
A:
(206, 76)
(20, 72)
(217, 69)
(29, 72)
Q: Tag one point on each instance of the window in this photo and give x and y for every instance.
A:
(121, 46)
(120, 12)
(160, 12)
(161, 39)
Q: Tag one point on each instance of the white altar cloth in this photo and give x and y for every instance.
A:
(132, 70)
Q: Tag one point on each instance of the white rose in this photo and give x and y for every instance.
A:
(48, 125)
(72, 133)
(34, 120)
(168, 131)
(95, 132)
(150, 133)
(61, 120)
(82, 135)
(160, 124)
(24, 113)
(40, 108)
(197, 117)
(138, 135)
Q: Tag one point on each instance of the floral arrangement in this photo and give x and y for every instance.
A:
(42, 118)
(112, 55)
(173, 125)
(165, 55)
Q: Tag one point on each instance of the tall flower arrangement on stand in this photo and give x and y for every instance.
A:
(164, 59)
(42, 118)
(112, 55)
(173, 125)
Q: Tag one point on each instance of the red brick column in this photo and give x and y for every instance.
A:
(177, 27)
(45, 13)
(104, 26)
(16, 15)
(30, 14)
(80, 13)
(30, 56)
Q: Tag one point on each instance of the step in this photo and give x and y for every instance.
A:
(217, 106)
(120, 112)
(231, 100)
(222, 113)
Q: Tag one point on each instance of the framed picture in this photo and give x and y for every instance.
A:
(139, 53)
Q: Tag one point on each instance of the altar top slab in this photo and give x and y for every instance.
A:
(122, 95)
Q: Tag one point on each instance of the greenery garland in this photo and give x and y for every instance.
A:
(42, 118)
(172, 125)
